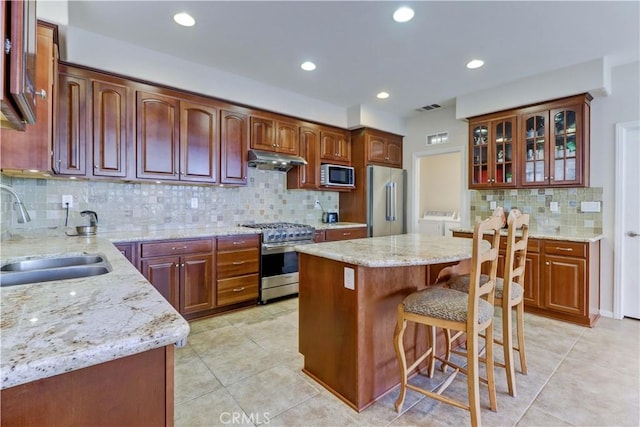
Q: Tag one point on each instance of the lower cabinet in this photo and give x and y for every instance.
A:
(182, 271)
(238, 266)
(201, 278)
(562, 279)
(334, 234)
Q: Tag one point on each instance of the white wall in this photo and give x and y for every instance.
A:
(440, 182)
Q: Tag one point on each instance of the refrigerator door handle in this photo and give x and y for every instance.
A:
(391, 201)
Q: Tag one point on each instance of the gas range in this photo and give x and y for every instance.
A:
(281, 232)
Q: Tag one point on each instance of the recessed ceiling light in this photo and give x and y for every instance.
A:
(403, 14)
(308, 66)
(184, 19)
(475, 63)
(383, 95)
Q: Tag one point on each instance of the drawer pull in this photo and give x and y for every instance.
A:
(241, 242)
(564, 249)
(238, 289)
(174, 248)
(238, 262)
(346, 234)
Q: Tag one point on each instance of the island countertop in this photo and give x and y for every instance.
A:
(393, 251)
(55, 327)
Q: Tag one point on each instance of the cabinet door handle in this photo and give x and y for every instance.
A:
(238, 289)
(547, 263)
(239, 242)
(633, 234)
(182, 265)
(346, 234)
(177, 265)
(42, 94)
(238, 262)
(174, 248)
(564, 249)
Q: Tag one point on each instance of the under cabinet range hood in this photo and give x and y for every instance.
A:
(267, 160)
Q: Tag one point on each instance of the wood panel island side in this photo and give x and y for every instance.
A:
(348, 298)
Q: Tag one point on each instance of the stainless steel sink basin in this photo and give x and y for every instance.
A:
(47, 263)
(49, 269)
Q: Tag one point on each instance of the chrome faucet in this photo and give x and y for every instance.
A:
(23, 215)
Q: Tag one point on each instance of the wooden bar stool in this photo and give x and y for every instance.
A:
(470, 313)
(509, 294)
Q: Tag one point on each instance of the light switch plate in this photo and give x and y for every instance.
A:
(553, 207)
(492, 205)
(194, 202)
(590, 206)
(67, 198)
(349, 278)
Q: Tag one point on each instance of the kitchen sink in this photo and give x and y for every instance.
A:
(49, 269)
(47, 263)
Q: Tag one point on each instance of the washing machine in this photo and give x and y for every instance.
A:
(438, 223)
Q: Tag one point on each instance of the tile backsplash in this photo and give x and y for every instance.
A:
(537, 202)
(150, 206)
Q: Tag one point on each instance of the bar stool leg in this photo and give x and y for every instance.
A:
(507, 347)
(399, 346)
(520, 326)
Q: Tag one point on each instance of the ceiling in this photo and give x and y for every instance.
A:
(359, 50)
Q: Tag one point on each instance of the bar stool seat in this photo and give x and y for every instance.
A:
(446, 304)
(461, 284)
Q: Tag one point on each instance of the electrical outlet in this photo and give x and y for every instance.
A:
(194, 202)
(318, 205)
(553, 207)
(67, 198)
(492, 205)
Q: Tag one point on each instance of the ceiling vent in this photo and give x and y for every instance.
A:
(429, 107)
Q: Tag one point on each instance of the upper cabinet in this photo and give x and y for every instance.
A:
(69, 148)
(384, 150)
(110, 129)
(307, 176)
(493, 152)
(274, 133)
(31, 149)
(234, 143)
(544, 145)
(199, 142)
(335, 147)
(19, 88)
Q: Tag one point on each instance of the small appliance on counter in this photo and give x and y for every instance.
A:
(87, 230)
(329, 217)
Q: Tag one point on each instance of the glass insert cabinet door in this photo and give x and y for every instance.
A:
(566, 134)
(502, 152)
(535, 129)
(480, 154)
(493, 159)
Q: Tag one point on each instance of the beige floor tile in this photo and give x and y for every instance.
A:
(208, 324)
(536, 418)
(193, 379)
(272, 391)
(212, 409)
(234, 363)
(218, 340)
(184, 354)
(319, 410)
(269, 328)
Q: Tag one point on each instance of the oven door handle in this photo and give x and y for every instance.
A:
(280, 248)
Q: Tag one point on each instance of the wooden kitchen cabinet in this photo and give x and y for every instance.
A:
(335, 147)
(542, 145)
(234, 143)
(307, 176)
(183, 271)
(562, 278)
(554, 143)
(237, 269)
(274, 133)
(128, 250)
(384, 151)
(493, 152)
(110, 129)
(130, 391)
(157, 136)
(72, 122)
(31, 149)
(199, 143)
(333, 234)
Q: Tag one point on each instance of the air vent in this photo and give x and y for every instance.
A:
(429, 107)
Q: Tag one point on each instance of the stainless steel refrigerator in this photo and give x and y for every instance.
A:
(386, 201)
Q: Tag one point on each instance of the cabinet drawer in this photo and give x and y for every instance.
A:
(237, 263)
(175, 247)
(345, 233)
(232, 243)
(238, 289)
(574, 249)
(532, 244)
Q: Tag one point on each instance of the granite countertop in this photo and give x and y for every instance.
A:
(535, 234)
(56, 327)
(393, 251)
(334, 225)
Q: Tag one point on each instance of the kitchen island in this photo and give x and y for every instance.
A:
(89, 351)
(348, 298)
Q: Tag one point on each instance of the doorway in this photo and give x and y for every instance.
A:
(440, 175)
(627, 221)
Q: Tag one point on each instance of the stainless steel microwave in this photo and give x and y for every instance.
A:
(337, 175)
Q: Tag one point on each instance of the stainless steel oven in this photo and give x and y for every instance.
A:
(278, 258)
